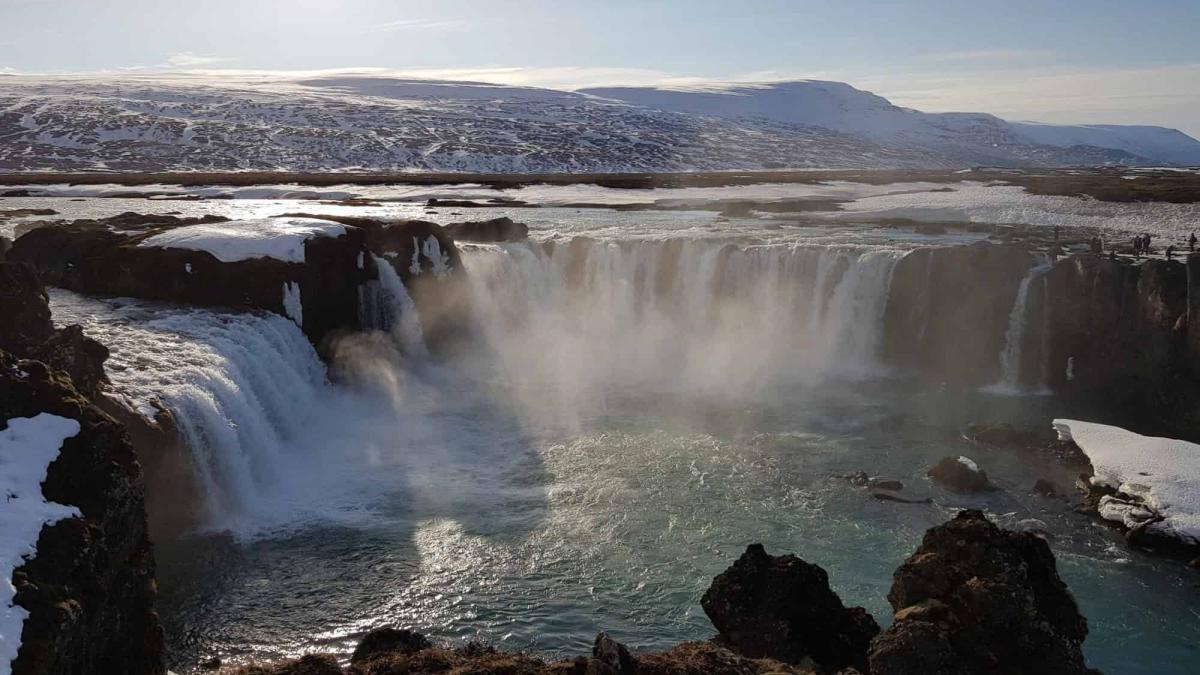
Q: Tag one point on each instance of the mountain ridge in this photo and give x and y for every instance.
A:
(182, 122)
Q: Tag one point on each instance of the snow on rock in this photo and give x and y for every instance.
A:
(291, 302)
(431, 249)
(969, 463)
(279, 238)
(1160, 473)
(27, 447)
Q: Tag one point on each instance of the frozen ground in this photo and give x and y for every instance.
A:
(1163, 473)
(27, 447)
(193, 122)
(279, 238)
(1012, 205)
(965, 201)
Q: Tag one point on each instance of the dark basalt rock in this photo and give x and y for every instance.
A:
(1000, 435)
(957, 476)
(1045, 488)
(103, 258)
(389, 640)
(311, 664)
(781, 607)
(27, 331)
(494, 230)
(974, 598)
(5, 247)
(1142, 374)
(90, 589)
(948, 307)
(615, 657)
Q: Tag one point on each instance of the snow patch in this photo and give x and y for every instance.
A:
(291, 302)
(278, 238)
(969, 463)
(27, 447)
(1161, 473)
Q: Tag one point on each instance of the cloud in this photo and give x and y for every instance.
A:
(415, 25)
(194, 60)
(983, 56)
(1166, 95)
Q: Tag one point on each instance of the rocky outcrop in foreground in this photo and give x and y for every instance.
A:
(972, 600)
(975, 598)
(782, 608)
(90, 589)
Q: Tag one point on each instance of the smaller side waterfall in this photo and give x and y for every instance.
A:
(1016, 335)
(385, 305)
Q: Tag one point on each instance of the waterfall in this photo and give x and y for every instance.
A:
(1015, 336)
(692, 315)
(242, 387)
(386, 305)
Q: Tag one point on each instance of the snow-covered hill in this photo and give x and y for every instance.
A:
(839, 106)
(193, 122)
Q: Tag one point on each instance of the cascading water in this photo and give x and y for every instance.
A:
(240, 386)
(698, 316)
(1016, 336)
(386, 305)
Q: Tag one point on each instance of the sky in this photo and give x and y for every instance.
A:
(1076, 61)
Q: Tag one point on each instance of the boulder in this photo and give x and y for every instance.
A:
(495, 230)
(1001, 435)
(311, 664)
(960, 474)
(615, 657)
(1045, 488)
(974, 598)
(389, 641)
(89, 590)
(781, 607)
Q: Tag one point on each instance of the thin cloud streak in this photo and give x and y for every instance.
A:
(982, 56)
(415, 25)
(194, 60)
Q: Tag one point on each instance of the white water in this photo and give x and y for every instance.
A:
(386, 305)
(700, 317)
(1016, 334)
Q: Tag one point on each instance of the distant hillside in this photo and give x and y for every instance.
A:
(190, 122)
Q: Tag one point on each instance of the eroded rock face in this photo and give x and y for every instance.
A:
(977, 599)
(1138, 374)
(103, 258)
(495, 230)
(948, 308)
(90, 589)
(961, 475)
(781, 607)
(27, 332)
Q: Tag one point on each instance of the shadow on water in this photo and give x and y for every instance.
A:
(442, 461)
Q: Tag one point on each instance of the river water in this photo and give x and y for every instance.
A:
(651, 399)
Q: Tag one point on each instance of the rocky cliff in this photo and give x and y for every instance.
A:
(89, 590)
(948, 309)
(103, 257)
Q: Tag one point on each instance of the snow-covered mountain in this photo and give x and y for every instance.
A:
(193, 122)
(839, 106)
